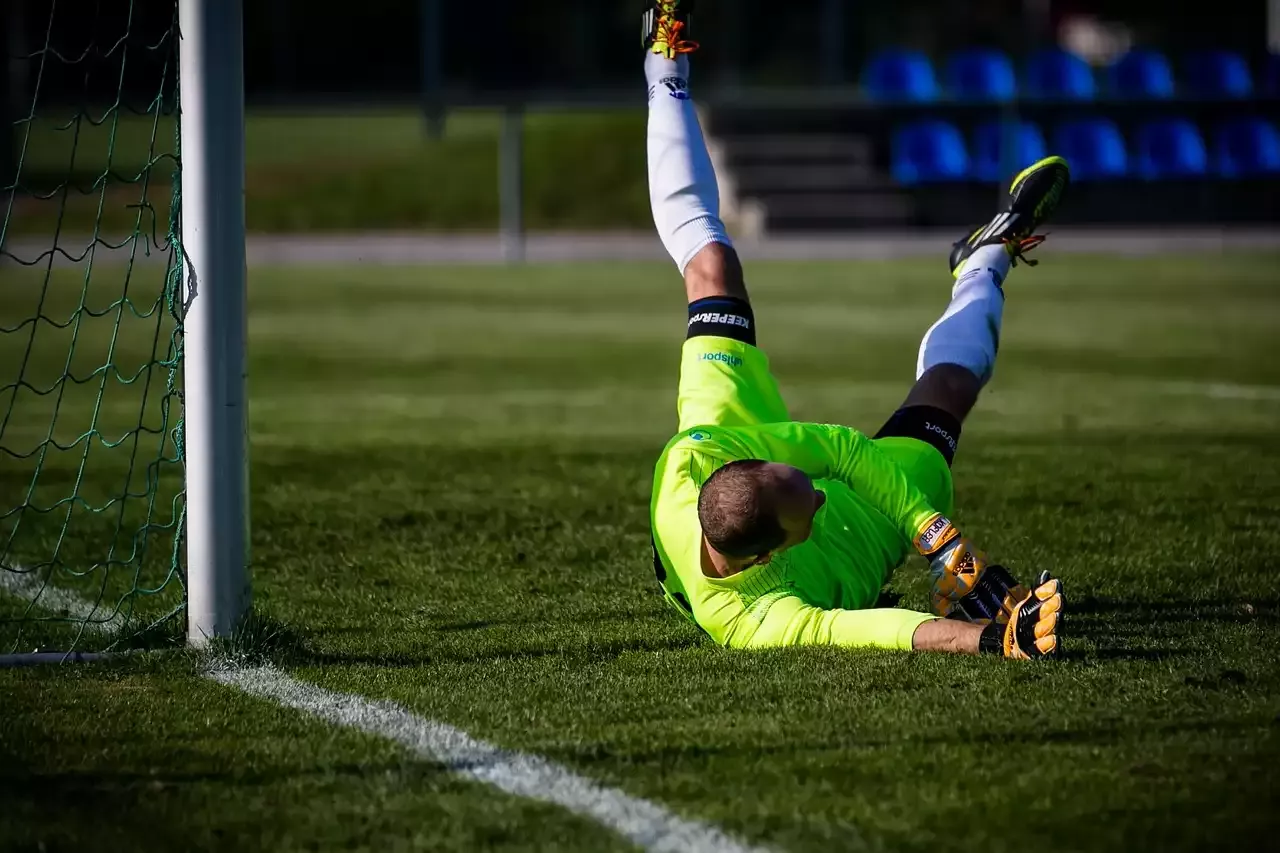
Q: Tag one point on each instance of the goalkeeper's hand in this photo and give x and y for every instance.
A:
(1032, 632)
(964, 586)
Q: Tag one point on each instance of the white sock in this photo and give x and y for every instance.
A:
(969, 332)
(683, 191)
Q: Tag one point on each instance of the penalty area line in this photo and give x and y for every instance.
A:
(27, 585)
(646, 824)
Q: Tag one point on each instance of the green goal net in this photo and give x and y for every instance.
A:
(91, 452)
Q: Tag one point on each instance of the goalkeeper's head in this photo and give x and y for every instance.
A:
(751, 510)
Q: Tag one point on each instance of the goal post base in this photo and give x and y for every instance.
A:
(55, 658)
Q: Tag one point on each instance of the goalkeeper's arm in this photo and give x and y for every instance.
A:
(787, 620)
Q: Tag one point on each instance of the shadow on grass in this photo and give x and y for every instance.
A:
(1119, 653)
(261, 639)
(1242, 610)
(16, 784)
(1099, 735)
(540, 622)
(1114, 630)
(591, 652)
(1157, 630)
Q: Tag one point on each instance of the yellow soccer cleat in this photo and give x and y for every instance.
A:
(664, 25)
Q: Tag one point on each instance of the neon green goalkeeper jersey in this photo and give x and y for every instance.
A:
(880, 492)
(822, 591)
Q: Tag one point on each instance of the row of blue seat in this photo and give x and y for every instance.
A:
(989, 75)
(932, 150)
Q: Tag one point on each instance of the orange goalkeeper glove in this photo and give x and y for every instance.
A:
(1032, 632)
(965, 587)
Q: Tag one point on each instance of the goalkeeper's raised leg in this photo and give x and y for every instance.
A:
(683, 191)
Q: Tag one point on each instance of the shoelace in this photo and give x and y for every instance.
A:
(1020, 247)
(669, 32)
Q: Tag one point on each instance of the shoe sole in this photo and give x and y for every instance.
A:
(1049, 203)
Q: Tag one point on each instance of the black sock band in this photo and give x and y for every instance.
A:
(932, 426)
(991, 642)
(722, 317)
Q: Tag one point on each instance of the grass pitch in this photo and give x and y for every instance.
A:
(450, 488)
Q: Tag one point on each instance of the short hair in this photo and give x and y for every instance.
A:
(738, 510)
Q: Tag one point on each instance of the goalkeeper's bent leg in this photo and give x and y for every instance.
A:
(958, 354)
(968, 333)
(683, 191)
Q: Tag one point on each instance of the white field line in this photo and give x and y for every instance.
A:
(645, 824)
(26, 585)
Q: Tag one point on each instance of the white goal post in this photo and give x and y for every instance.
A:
(213, 256)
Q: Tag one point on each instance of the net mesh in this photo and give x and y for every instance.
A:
(91, 484)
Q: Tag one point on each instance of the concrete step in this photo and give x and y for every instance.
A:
(817, 177)
(774, 147)
(785, 210)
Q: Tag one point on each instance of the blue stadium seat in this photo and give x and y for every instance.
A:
(1142, 74)
(1218, 74)
(1170, 148)
(900, 75)
(1094, 147)
(1247, 147)
(928, 151)
(1059, 75)
(981, 75)
(988, 164)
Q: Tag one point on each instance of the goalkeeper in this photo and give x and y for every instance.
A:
(769, 532)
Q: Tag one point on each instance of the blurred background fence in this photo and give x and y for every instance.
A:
(825, 115)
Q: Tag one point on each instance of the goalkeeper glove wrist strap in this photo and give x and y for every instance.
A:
(937, 533)
(991, 642)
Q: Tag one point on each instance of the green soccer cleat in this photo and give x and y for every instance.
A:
(664, 25)
(1033, 197)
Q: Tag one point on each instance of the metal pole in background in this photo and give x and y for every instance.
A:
(214, 329)
(832, 42)
(10, 87)
(733, 51)
(284, 53)
(511, 183)
(433, 109)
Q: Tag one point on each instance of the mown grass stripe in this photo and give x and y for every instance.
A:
(1224, 390)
